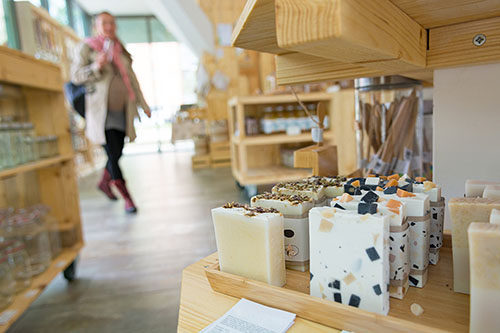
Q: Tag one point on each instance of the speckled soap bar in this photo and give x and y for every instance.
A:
(295, 209)
(350, 258)
(399, 244)
(484, 250)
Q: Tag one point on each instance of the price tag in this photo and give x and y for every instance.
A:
(402, 166)
(427, 158)
(373, 162)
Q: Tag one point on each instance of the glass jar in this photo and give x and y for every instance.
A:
(7, 284)
(312, 110)
(280, 118)
(27, 142)
(16, 139)
(20, 264)
(52, 147)
(290, 117)
(267, 121)
(389, 114)
(4, 146)
(29, 228)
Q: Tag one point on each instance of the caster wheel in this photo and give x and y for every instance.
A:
(70, 272)
(241, 187)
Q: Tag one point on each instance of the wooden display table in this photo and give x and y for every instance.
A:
(200, 306)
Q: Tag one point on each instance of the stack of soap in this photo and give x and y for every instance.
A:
(399, 244)
(250, 242)
(484, 250)
(334, 186)
(417, 208)
(313, 191)
(295, 209)
(491, 192)
(463, 212)
(437, 216)
(475, 188)
(350, 258)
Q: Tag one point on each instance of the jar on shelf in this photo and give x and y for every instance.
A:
(312, 110)
(301, 117)
(20, 264)
(52, 146)
(5, 155)
(280, 118)
(267, 121)
(382, 102)
(28, 131)
(7, 284)
(16, 140)
(291, 121)
(29, 228)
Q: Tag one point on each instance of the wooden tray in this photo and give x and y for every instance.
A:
(444, 310)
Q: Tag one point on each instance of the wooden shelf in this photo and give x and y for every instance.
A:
(444, 310)
(272, 174)
(34, 166)
(410, 38)
(23, 300)
(270, 139)
(275, 99)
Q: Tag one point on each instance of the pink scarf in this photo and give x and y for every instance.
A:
(97, 44)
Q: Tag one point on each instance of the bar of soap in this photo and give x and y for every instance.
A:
(475, 188)
(495, 216)
(316, 192)
(250, 242)
(350, 258)
(429, 188)
(295, 209)
(399, 243)
(491, 192)
(484, 250)
(334, 186)
(417, 209)
(464, 211)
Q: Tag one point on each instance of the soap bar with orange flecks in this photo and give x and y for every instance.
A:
(404, 194)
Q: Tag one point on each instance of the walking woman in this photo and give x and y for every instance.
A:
(112, 96)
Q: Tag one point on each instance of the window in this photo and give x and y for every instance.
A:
(59, 11)
(78, 20)
(8, 31)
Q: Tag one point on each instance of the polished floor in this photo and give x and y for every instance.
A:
(129, 273)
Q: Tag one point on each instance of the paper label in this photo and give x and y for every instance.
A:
(416, 162)
(402, 167)
(6, 316)
(408, 153)
(373, 162)
(427, 158)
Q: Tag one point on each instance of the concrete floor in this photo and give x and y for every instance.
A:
(129, 273)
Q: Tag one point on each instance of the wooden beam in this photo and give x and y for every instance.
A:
(432, 13)
(351, 31)
(299, 68)
(256, 28)
(453, 45)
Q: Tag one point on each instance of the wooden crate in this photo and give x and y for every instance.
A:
(200, 161)
(444, 310)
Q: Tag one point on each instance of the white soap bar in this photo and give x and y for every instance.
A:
(372, 181)
(484, 249)
(491, 192)
(429, 188)
(475, 188)
(495, 216)
(316, 192)
(350, 258)
(464, 211)
(436, 227)
(295, 208)
(399, 243)
(417, 208)
(250, 243)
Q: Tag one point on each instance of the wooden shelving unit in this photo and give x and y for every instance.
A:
(45, 38)
(332, 40)
(256, 158)
(50, 181)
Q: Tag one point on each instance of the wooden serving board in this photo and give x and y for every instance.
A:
(444, 310)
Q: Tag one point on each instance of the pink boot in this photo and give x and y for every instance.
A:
(129, 204)
(104, 185)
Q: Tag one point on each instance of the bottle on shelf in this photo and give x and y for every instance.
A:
(20, 264)
(7, 284)
(302, 118)
(280, 118)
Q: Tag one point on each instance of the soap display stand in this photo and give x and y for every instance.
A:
(444, 310)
